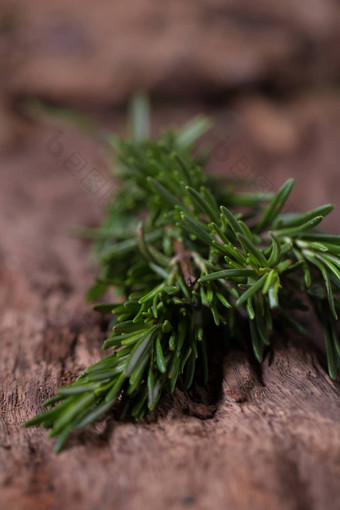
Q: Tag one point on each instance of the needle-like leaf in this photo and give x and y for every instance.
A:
(165, 316)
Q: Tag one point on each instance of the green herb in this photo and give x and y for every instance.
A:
(195, 263)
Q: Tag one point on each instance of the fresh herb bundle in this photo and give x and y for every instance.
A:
(192, 256)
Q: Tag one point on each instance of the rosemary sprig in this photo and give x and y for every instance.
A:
(175, 244)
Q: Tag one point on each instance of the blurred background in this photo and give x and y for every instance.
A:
(267, 73)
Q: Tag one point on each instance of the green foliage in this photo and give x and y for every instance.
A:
(190, 254)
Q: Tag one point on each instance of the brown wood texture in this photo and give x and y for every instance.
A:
(79, 52)
(265, 439)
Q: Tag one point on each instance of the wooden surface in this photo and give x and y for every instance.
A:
(77, 52)
(261, 439)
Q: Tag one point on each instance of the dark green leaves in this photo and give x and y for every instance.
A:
(227, 274)
(294, 231)
(254, 287)
(140, 352)
(330, 353)
(160, 356)
(275, 255)
(325, 275)
(203, 205)
(275, 206)
(193, 226)
(250, 248)
(295, 220)
(253, 272)
(234, 224)
(165, 194)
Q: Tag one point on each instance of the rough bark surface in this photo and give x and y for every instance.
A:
(258, 439)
